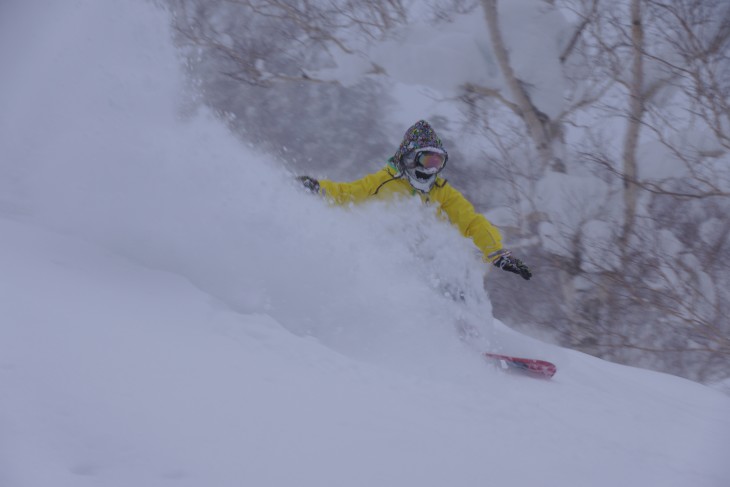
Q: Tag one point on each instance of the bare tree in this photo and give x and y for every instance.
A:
(635, 87)
(300, 31)
(661, 306)
(542, 130)
(252, 59)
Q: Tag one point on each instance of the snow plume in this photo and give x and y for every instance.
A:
(97, 147)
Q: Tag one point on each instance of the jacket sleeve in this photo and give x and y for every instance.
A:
(470, 223)
(353, 192)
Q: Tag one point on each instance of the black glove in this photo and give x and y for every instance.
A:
(504, 260)
(310, 184)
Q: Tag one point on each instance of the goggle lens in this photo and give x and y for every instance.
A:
(431, 160)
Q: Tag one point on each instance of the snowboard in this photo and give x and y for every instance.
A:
(533, 367)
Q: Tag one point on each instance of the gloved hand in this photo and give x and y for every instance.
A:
(504, 260)
(310, 184)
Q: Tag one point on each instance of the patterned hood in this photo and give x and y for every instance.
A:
(419, 136)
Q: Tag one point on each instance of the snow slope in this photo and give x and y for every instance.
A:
(117, 375)
(174, 311)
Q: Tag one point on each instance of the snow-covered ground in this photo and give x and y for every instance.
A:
(175, 311)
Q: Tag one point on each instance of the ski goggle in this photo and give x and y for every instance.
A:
(427, 159)
(431, 160)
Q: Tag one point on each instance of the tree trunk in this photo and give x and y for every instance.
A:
(538, 123)
(636, 113)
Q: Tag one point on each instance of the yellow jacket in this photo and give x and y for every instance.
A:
(387, 182)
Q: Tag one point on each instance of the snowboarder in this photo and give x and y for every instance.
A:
(414, 170)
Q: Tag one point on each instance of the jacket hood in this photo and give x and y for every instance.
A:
(419, 136)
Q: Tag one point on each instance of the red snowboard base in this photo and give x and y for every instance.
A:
(537, 368)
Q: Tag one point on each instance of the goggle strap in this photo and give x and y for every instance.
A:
(429, 149)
